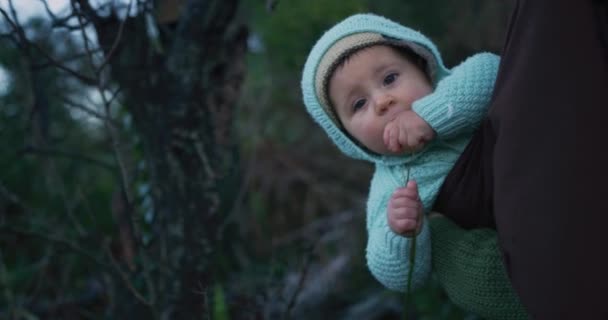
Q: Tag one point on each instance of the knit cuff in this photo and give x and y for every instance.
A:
(388, 258)
(438, 112)
(461, 99)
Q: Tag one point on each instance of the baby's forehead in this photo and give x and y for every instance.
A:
(381, 57)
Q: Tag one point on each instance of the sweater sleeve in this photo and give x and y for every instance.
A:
(387, 253)
(461, 99)
(388, 257)
(469, 267)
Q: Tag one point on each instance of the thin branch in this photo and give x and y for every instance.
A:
(60, 22)
(84, 78)
(87, 48)
(15, 29)
(13, 12)
(125, 278)
(303, 274)
(115, 268)
(87, 110)
(25, 42)
(114, 95)
(69, 155)
(117, 39)
(48, 10)
(68, 201)
(71, 58)
(123, 172)
(87, 9)
(48, 237)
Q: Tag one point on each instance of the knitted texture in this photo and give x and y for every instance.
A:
(456, 100)
(356, 24)
(469, 267)
(351, 44)
(338, 50)
(454, 109)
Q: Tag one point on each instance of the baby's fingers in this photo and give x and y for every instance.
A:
(410, 191)
(405, 226)
(413, 211)
(391, 138)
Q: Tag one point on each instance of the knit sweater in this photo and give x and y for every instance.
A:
(469, 267)
(454, 109)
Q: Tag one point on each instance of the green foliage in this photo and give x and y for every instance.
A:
(220, 311)
(291, 29)
(56, 178)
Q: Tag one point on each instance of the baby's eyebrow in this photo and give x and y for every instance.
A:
(350, 92)
(381, 68)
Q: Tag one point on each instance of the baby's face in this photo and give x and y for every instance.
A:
(371, 89)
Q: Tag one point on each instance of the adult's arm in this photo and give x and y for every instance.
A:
(468, 266)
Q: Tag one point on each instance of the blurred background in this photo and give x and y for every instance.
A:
(157, 161)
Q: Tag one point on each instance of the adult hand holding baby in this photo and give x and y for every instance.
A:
(407, 133)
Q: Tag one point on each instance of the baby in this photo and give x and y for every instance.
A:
(382, 94)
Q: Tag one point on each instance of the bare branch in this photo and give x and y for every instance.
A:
(60, 22)
(84, 78)
(13, 12)
(125, 277)
(24, 42)
(114, 96)
(48, 10)
(16, 29)
(69, 155)
(118, 38)
(79, 106)
(303, 274)
(86, 39)
(54, 239)
(85, 7)
(10, 36)
(65, 60)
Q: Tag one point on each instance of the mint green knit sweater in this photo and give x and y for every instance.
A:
(455, 108)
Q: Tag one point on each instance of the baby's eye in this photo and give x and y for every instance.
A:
(358, 104)
(390, 78)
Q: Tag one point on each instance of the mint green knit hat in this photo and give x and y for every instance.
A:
(353, 34)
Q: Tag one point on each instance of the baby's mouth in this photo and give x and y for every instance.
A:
(393, 116)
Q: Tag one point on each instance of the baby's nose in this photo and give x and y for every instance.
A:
(383, 103)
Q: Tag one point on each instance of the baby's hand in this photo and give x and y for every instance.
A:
(407, 133)
(405, 210)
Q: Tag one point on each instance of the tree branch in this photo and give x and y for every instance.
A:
(88, 110)
(125, 278)
(117, 39)
(48, 237)
(303, 274)
(69, 155)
